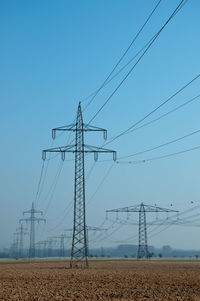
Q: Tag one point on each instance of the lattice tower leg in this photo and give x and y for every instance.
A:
(79, 251)
(142, 235)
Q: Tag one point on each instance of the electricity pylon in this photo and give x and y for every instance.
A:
(142, 233)
(62, 243)
(38, 247)
(21, 232)
(15, 245)
(44, 248)
(51, 242)
(89, 228)
(79, 251)
(32, 219)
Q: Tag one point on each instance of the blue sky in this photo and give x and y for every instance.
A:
(53, 55)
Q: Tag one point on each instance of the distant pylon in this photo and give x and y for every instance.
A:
(21, 232)
(142, 234)
(62, 245)
(32, 219)
(44, 251)
(50, 244)
(61, 238)
(94, 229)
(79, 251)
(15, 245)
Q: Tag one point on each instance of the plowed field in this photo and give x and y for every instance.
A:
(104, 280)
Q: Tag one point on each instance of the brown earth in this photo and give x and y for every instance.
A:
(103, 280)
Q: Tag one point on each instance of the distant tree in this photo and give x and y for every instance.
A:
(196, 256)
(125, 256)
(160, 255)
(151, 254)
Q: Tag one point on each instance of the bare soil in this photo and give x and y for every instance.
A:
(103, 280)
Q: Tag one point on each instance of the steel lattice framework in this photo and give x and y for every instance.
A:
(142, 233)
(32, 219)
(61, 238)
(21, 232)
(79, 251)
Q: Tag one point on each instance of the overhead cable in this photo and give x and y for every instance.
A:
(165, 114)
(145, 51)
(122, 57)
(159, 157)
(153, 111)
(161, 145)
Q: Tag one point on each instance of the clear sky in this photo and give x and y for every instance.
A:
(53, 55)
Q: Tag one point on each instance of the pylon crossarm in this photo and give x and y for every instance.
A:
(137, 209)
(62, 150)
(73, 149)
(24, 220)
(36, 219)
(97, 149)
(70, 127)
(65, 127)
(91, 128)
(41, 220)
(85, 128)
(157, 209)
(66, 148)
(35, 211)
(88, 127)
(89, 228)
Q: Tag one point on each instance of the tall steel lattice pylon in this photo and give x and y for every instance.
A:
(21, 232)
(142, 234)
(32, 219)
(61, 239)
(79, 251)
(79, 238)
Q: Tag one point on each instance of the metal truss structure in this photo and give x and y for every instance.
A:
(79, 251)
(142, 233)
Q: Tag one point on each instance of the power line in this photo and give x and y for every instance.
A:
(166, 114)
(100, 184)
(153, 111)
(42, 179)
(158, 118)
(53, 187)
(161, 145)
(145, 51)
(66, 211)
(123, 55)
(138, 34)
(154, 120)
(43, 174)
(39, 183)
(128, 63)
(159, 157)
